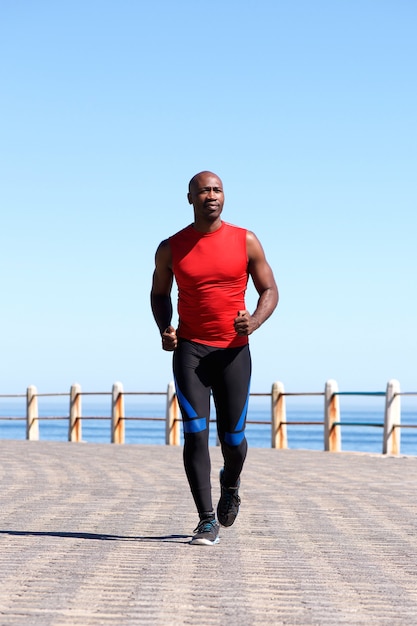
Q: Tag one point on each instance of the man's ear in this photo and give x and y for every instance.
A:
(190, 201)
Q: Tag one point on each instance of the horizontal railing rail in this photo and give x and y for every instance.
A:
(292, 422)
(372, 394)
(332, 422)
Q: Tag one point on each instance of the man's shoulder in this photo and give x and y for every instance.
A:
(184, 231)
(249, 234)
(230, 226)
(239, 231)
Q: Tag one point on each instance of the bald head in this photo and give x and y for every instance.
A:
(194, 182)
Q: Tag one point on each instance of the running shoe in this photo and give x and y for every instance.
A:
(206, 533)
(228, 506)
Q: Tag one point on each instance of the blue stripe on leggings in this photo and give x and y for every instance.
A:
(184, 403)
(195, 425)
(234, 439)
(242, 417)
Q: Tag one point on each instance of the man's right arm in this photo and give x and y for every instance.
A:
(161, 302)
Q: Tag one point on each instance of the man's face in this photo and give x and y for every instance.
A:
(206, 195)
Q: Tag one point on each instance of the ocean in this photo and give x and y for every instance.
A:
(147, 424)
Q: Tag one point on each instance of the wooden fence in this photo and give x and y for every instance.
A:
(332, 423)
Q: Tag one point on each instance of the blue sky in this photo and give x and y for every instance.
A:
(307, 111)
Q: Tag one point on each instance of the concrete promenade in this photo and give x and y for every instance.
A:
(98, 534)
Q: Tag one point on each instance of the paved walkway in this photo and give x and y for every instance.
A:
(98, 534)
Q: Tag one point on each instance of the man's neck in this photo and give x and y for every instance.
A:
(207, 227)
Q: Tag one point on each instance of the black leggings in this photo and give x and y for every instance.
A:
(199, 370)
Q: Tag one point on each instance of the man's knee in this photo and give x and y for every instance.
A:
(235, 453)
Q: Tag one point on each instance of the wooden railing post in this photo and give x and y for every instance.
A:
(172, 422)
(32, 416)
(332, 430)
(392, 419)
(278, 417)
(74, 427)
(117, 414)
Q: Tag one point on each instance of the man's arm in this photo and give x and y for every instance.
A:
(161, 302)
(264, 281)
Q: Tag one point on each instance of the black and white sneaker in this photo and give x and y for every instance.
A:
(228, 506)
(206, 533)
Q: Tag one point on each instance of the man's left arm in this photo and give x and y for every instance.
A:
(264, 281)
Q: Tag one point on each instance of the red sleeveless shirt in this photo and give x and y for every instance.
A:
(211, 271)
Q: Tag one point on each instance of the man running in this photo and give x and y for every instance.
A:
(211, 261)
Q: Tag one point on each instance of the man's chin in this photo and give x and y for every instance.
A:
(213, 215)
